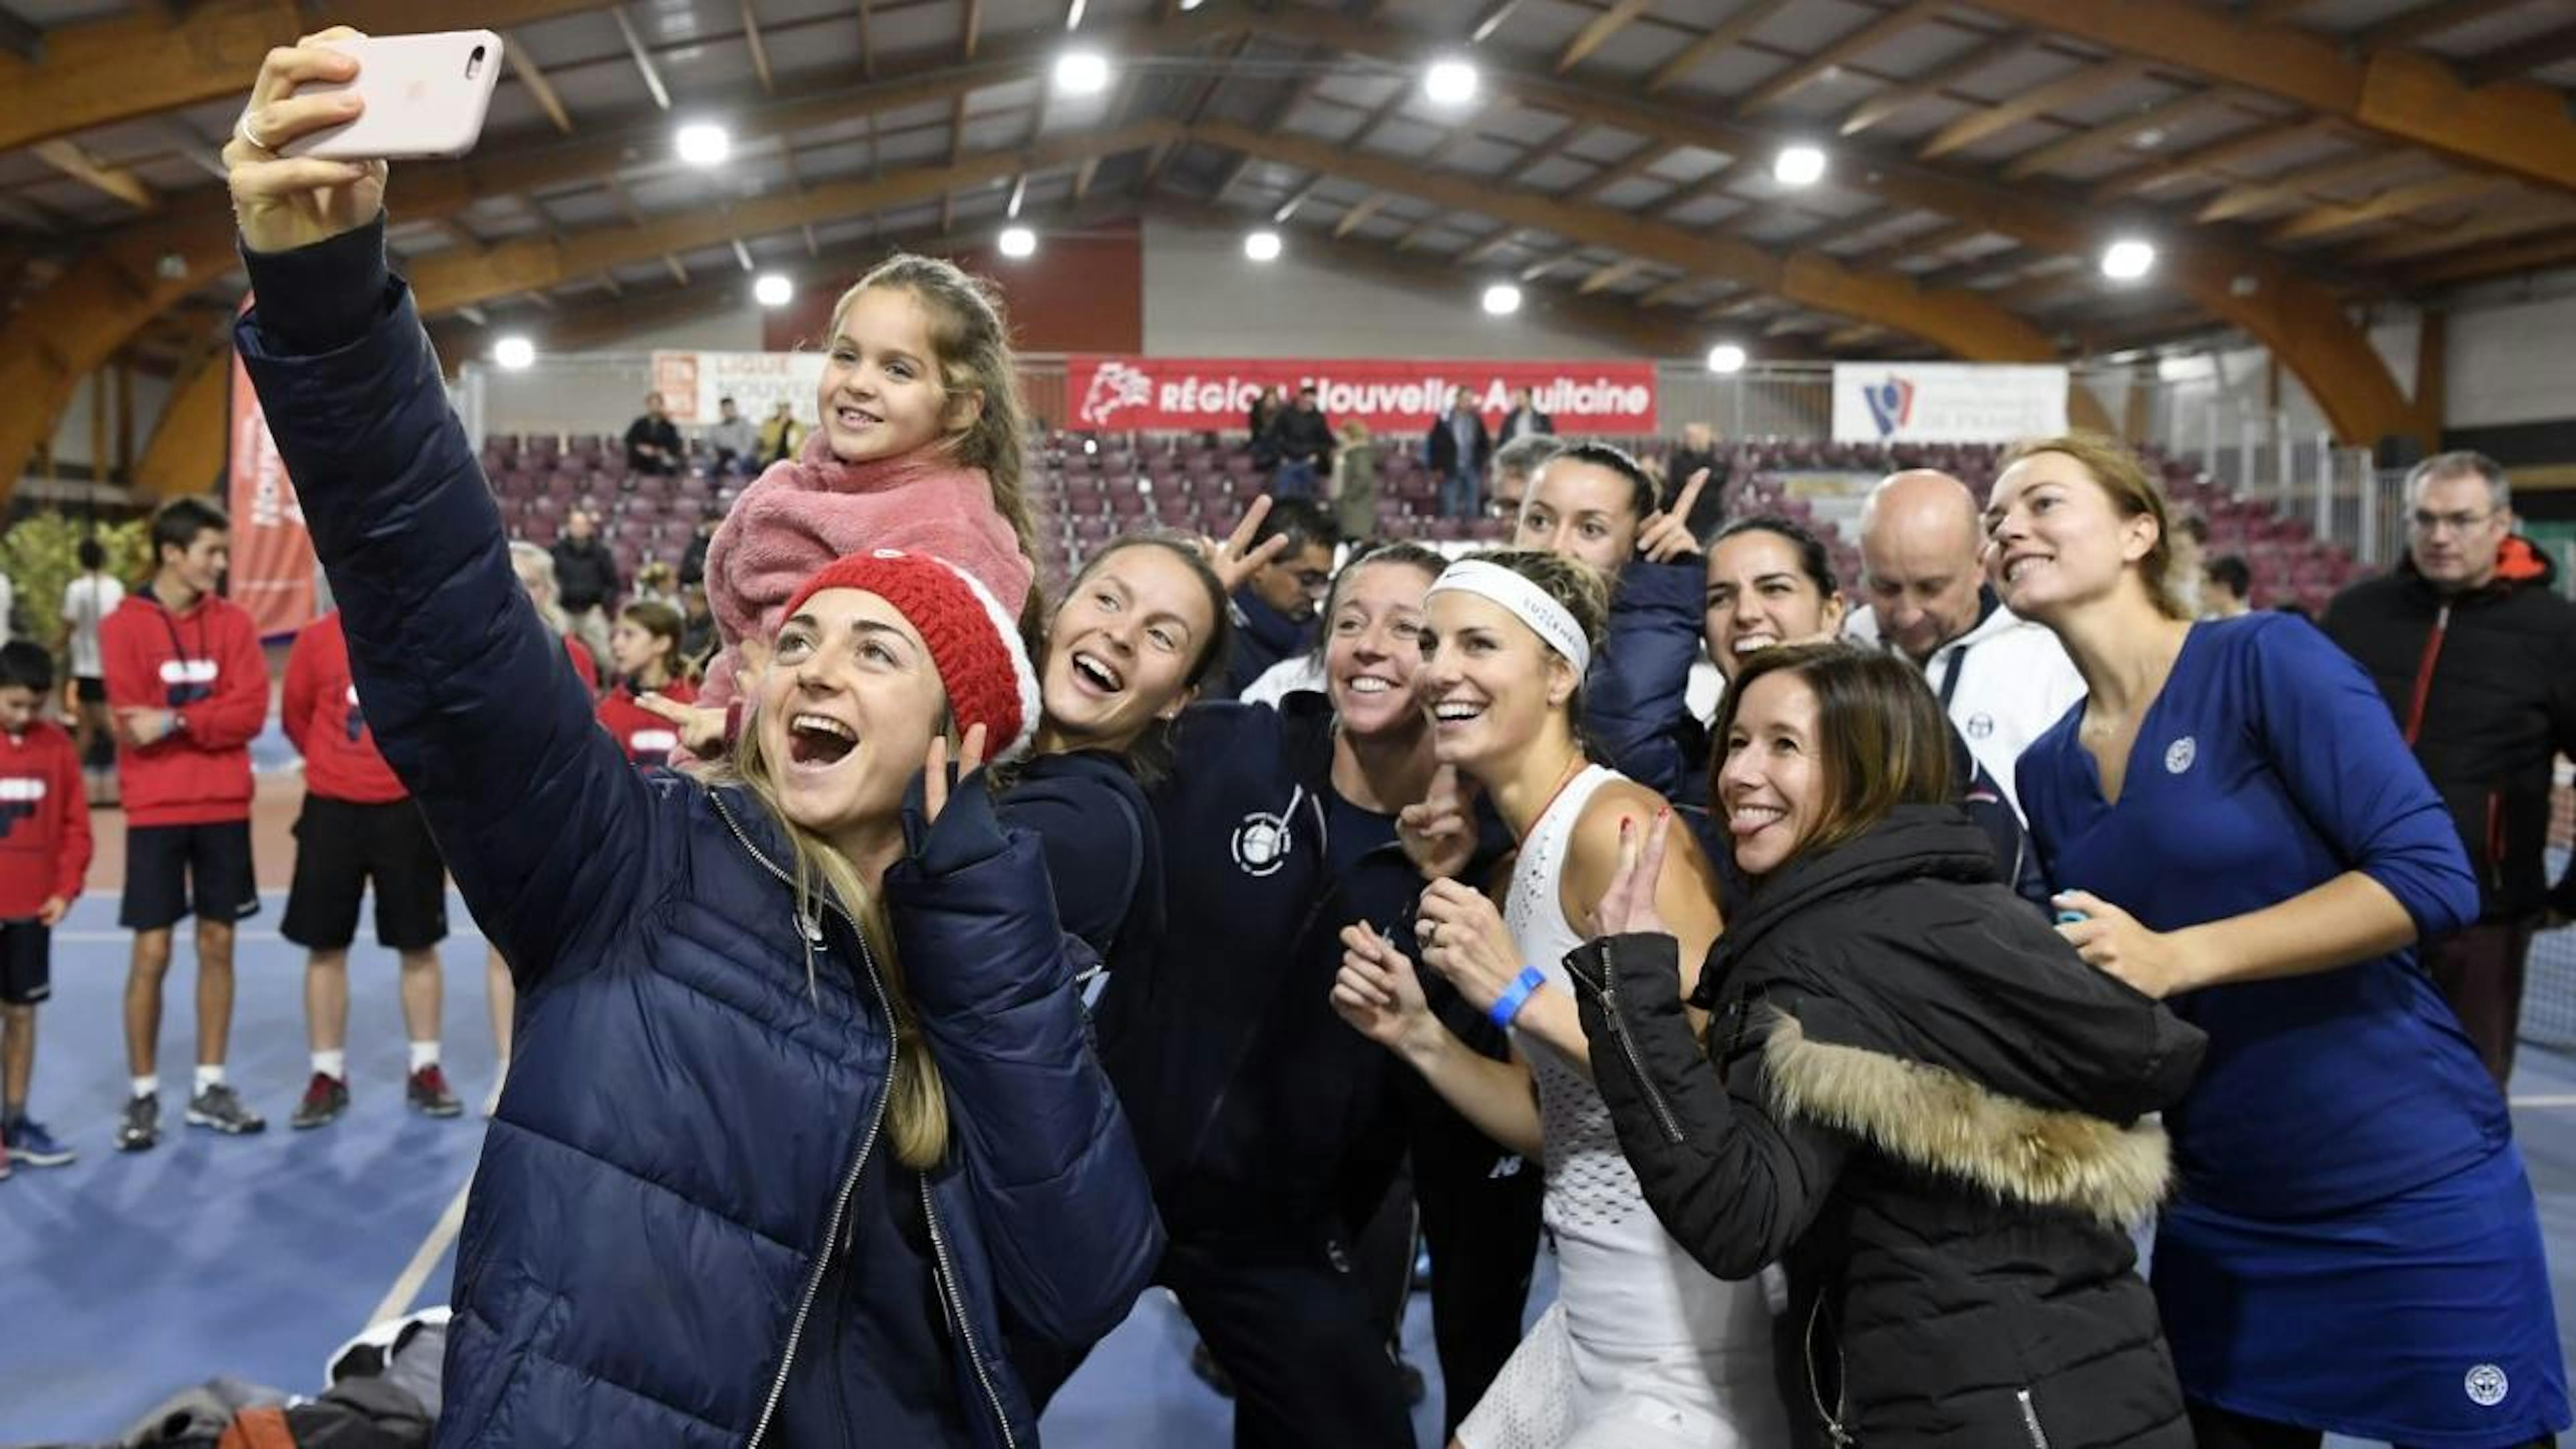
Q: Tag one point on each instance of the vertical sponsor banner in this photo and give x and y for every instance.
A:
(693, 383)
(1215, 394)
(1947, 402)
(273, 564)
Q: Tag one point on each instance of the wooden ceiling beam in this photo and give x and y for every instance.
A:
(68, 158)
(2214, 158)
(2429, 20)
(2084, 144)
(2389, 205)
(1729, 32)
(1638, 163)
(2516, 127)
(644, 65)
(1859, 42)
(1598, 32)
(2083, 83)
(1897, 99)
(1357, 217)
(533, 76)
(2303, 183)
(759, 51)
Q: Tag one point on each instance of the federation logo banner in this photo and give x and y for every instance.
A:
(1947, 402)
(1198, 394)
(272, 564)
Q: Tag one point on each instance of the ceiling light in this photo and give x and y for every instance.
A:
(703, 144)
(1798, 166)
(1262, 246)
(1192, 4)
(1081, 72)
(1502, 299)
(1449, 82)
(2128, 259)
(514, 353)
(773, 290)
(1018, 241)
(1726, 357)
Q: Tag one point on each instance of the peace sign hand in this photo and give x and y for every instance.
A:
(1236, 559)
(281, 202)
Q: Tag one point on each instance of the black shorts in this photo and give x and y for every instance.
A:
(91, 691)
(339, 848)
(26, 962)
(162, 862)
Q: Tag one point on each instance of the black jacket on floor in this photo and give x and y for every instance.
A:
(2484, 686)
(1929, 1107)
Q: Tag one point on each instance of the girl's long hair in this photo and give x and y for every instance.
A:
(916, 1104)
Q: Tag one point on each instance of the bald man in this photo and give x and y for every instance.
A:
(2002, 679)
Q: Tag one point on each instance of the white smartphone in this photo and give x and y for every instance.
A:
(426, 97)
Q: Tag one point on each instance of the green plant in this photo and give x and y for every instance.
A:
(41, 554)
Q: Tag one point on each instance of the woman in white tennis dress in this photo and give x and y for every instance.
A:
(1642, 1349)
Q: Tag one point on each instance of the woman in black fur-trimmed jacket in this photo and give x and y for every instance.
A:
(1910, 1091)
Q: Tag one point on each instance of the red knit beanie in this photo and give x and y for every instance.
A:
(973, 642)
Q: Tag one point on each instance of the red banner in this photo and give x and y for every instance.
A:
(272, 569)
(1197, 394)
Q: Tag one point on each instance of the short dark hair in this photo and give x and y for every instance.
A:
(1303, 520)
(177, 523)
(2230, 570)
(27, 663)
(1814, 559)
(1880, 735)
(93, 557)
(1642, 492)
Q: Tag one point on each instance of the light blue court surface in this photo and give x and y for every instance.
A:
(123, 1278)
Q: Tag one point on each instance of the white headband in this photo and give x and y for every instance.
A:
(1548, 619)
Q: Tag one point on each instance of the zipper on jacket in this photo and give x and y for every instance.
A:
(957, 1306)
(2424, 675)
(1664, 1117)
(867, 1143)
(2030, 1420)
(2495, 843)
(1833, 1417)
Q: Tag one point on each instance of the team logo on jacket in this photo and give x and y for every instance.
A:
(19, 798)
(651, 748)
(356, 721)
(1980, 726)
(2180, 754)
(1260, 843)
(2487, 1386)
(186, 681)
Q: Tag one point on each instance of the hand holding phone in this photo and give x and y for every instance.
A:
(282, 202)
(421, 96)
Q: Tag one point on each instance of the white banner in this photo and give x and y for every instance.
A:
(1947, 402)
(692, 383)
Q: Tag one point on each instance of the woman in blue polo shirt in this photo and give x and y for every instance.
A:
(2236, 827)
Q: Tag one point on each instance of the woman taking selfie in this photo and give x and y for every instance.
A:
(1909, 1089)
(1643, 1348)
(801, 1113)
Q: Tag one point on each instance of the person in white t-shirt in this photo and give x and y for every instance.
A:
(87, 599)
(2002, 680)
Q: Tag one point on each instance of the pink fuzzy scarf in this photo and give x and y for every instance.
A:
(803, 514)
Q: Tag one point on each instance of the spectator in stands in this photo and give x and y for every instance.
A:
(653, 440)
(693, 559)
(2474, 649)
(1304, 440)
(734, 441)
(2237, 826)
(87, 601)
(1698, 452)
(359, 828)
(586, 579)
(1515, 463)
(781, 436)
(1524, 420)
(1354, 482)
(900, 995)
(189, 688)
(2002, 680)
(1274, 611)
(1593, 503)
(1456, 450)
(1264, 415)
(2190, 559)
(647, 653)
(655, 583)
(44, 858)
(2226, 587)
(697, 628)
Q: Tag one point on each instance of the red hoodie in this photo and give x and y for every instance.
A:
(322, 717)
(205, 664)
(44, 820)
(646, 737)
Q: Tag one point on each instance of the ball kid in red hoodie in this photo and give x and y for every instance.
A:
(322, 718)
(202, 663)
(44, 821)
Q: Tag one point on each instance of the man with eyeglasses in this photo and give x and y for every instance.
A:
(2475, 651)
(1274, 610)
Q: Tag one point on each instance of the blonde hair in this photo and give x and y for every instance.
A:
(2115, 469)
(1583, 591)
(916, 1103)
(972, 335)
(526, 559)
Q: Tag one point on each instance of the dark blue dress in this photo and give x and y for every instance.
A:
(2354, 1244)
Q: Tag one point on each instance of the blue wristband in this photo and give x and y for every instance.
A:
(1515, 996)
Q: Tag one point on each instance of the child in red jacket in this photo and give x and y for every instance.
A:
(189, 689)
(358, 824)
(645, 647)
(44, 856)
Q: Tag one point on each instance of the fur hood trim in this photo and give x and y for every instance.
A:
(1934, 1118)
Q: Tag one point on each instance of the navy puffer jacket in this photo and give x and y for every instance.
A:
(700, 1074)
